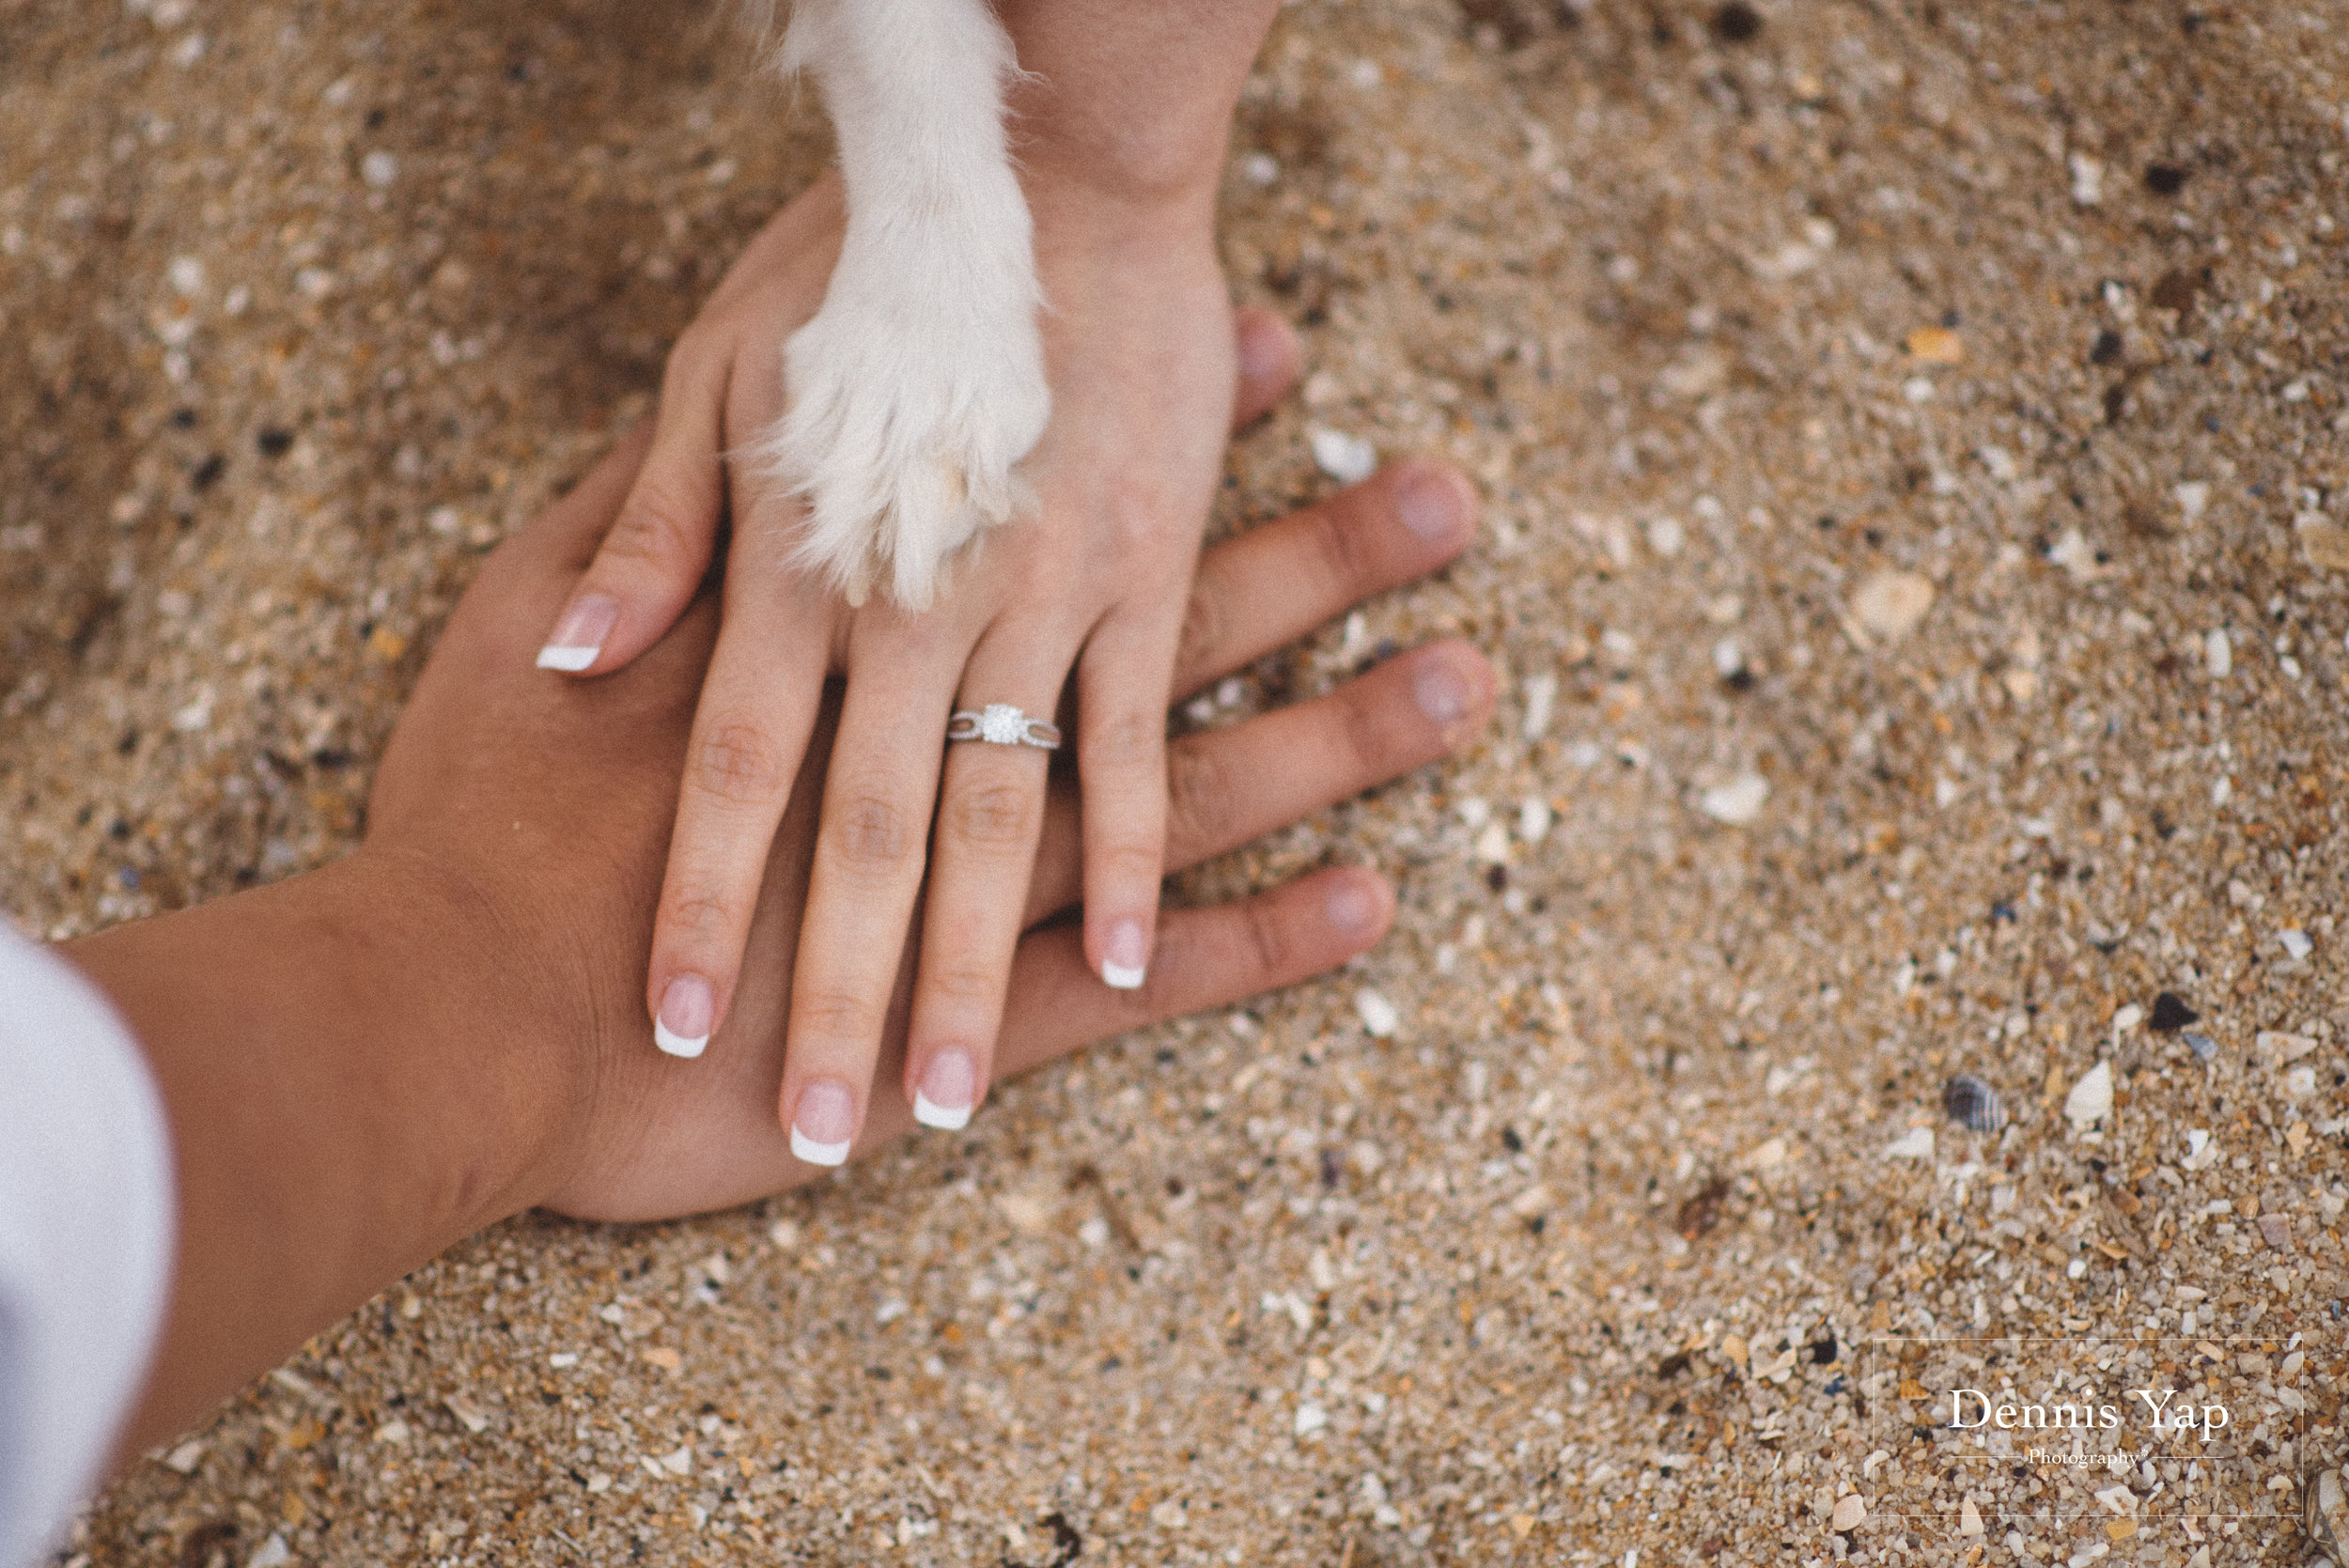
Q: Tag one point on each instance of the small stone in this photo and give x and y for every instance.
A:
(1541, 700)
(2127, 1018)
(1736, 802)
(469, 1416)
(186, 1457)
(1891, 604)
(1849, 1512)
(1348, 459)
(1916, 1144)
(667, 1358)
(2090, 1099)
(1969, 1101)
(1169, 1516)
(563, 1359)
(1260, 170)
(2172, 1014)
(679, 1463)
(271, 1553)
(2219, 655)
(1533, 820)
(1765, 1157)
(1030, 1213)
(2202, 1045)
(2326, 545)
(393, 1431)
(2295, 942)
(2275, 1229)
(1969, 1518)
(379, 170)
(1936, 346)
(1379, 1015)
(1310, 1419)
(2193, 498)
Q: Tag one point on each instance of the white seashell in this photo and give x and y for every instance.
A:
(2090, 1099)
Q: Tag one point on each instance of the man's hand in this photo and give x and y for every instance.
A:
(366, 1063)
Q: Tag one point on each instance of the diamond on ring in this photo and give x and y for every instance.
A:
(1002, 724)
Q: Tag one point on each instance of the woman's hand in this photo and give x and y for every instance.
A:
(646, 1136)
(1140, 343)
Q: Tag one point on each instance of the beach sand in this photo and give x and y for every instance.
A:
(1911, 437)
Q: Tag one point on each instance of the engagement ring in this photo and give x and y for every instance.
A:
(1003, 724)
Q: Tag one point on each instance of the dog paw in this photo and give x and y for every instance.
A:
(912, 395)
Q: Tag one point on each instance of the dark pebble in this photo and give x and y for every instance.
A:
(1737, 23)
(2164, 180)
(2172, 1014)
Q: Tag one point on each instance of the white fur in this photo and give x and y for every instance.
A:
(919, 385)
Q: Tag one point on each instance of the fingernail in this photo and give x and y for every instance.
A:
(948, 1091)
(1443, 695)
(1430, 505)
(579, 635)
(1350, 906)
(681, 1027)
(1125, 957)
(1263, 354)
(824, 1125)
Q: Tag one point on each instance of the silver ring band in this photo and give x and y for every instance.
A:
(1002, 724)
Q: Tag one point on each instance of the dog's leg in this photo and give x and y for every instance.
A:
(920, 384)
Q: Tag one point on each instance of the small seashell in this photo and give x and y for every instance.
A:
(2326, 1520)
(1969, 1101)
(2090, 1099)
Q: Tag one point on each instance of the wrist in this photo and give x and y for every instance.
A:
(346, 1097)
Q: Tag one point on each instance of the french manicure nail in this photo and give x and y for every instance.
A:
(947, 1092)
(1441, 694)
(579, 635)
(824, 1124)
(681, 1027)
(1349, 907)
(1125, 957)
(1429, 505)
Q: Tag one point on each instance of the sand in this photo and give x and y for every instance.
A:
(1912, 438)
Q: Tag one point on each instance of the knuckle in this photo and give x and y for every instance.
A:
(991, 815)
(1335, 546)
(836, 1015)
(659, 527)
(869, 830)
(698, 912)
(738, 762)
(1129, 738)
(962, 983)
(1134, 861)
(1267, 939)
(1202, 629)
(1199, 797)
